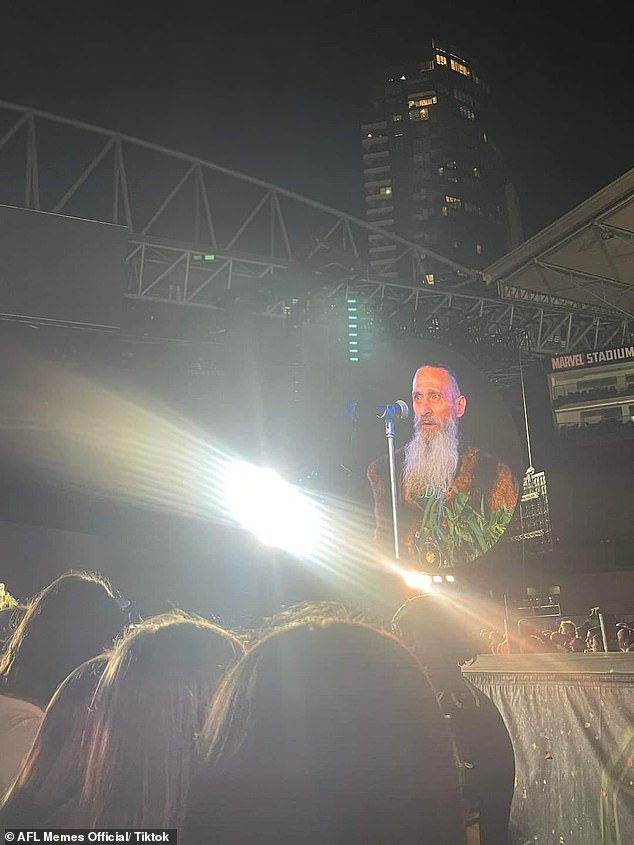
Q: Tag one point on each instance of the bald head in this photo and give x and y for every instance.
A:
(436, 395)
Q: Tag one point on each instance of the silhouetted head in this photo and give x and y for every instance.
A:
(307, 612)
(149, 706)
(9, 620)
(73, 619)
(46, 792)
(326, 733)
(436, 632)
(568, 628)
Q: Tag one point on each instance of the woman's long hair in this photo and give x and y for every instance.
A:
(326, 733)
(46, 792)
(149, 705)
(73, 619)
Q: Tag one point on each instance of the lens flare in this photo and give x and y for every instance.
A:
(275, 511)
(416, 580)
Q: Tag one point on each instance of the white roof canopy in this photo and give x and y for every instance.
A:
(586, 257)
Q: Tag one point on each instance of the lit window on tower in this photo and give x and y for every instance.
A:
(476, 172)
(466, 111)
(418, 105)
(385, 190)
(397, 117)
(430, 279)
(445, 211)
(418, 100)
(456, 202)
(479, 249)
(459, 67)
(440, 59)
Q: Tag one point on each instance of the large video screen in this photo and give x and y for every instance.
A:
(457, 455)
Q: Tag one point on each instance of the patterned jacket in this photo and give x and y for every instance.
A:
(481, 476)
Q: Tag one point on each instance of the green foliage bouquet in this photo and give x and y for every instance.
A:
(7, 600)
(460, 531)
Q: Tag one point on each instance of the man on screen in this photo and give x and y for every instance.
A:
(454, 502)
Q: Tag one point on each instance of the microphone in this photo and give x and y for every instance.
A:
(397, 411)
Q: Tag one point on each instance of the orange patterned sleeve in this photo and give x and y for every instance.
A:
(505, 489)
(381, 503)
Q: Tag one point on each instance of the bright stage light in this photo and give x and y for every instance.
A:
(416, 580)
(275, 511)
(450, 578)
(437, 579)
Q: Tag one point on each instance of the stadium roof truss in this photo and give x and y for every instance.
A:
(201, 235)
(584, 260)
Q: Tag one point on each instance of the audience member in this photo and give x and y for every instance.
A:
(623, 636)
(594, 640)
(46, 791)
(568, 628)
(326, 733)
(435, 633)
(560, 641)
(327, 730)
(73, 619)
(148, 708)
(319, 611)
(504, 647)
(495, 639)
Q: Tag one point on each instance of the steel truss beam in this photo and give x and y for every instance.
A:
(191, 192)
(164, 272)
(269, 245)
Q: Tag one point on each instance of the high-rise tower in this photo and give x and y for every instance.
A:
(432, 171)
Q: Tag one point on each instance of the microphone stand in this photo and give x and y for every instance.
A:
(389, 435)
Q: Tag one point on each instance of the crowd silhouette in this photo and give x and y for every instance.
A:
(320, 727)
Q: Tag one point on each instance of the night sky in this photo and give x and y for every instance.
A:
(277, 90)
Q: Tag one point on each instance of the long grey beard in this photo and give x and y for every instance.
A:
(430, 462)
